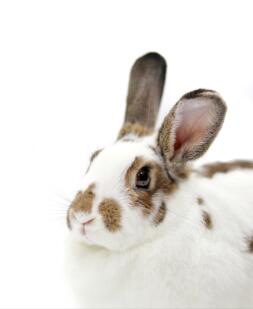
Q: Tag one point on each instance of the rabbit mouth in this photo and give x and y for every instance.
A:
(84, 234)
(85, 224)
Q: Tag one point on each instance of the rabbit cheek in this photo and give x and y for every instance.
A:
(110, 211)
(159, 217)
(143, 200)
(160, 185)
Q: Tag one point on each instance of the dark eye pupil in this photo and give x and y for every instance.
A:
(142, 178)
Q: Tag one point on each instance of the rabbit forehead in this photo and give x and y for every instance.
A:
(109, 167)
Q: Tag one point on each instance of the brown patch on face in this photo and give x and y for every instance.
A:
(160, 214)
(111, 214)
(207, 220)
(159, 183)
(84, 200)
(135, 129)
(200, 200)
(209, 170)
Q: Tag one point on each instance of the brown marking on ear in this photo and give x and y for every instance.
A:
(84, 200)
(135, 129)
(200, 93)
(211, 169)
(207, 219)
(200, 200)
(159, 182)
(250, 244)
(111, 214)
(160, 214)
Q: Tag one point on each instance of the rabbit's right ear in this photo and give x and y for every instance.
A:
(145, 90)
(190, 127)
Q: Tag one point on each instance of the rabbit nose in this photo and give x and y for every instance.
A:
(82, 219)
(88, 222)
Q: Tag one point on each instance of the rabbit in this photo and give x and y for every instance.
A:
(147, 229)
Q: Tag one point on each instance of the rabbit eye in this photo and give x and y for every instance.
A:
(143, 178)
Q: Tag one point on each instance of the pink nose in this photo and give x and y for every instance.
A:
(88, 222)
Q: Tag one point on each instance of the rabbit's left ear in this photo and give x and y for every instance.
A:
(145, 90)
(191, 126)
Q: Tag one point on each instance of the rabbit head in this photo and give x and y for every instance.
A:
(128, 185)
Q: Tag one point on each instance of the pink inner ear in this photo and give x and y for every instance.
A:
(193, 119)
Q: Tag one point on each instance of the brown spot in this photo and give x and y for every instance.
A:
(160, 214)
(111, 214)
(159, 183)
(135, 129)
(84, 200)
(250, 244)
(207, 219)
(200, 201)
(209, 170)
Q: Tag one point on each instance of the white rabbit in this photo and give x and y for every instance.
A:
(147, 230)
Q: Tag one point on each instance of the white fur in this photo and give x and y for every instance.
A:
(178, 264)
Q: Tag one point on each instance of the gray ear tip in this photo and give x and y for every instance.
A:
(199, 93)
(206, 93)
(153, 57)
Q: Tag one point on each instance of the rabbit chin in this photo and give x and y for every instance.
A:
(98, 236)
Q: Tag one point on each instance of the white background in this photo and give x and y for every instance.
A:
(63, 79)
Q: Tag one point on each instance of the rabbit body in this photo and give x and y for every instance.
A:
(188, 264)
(151, 232)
